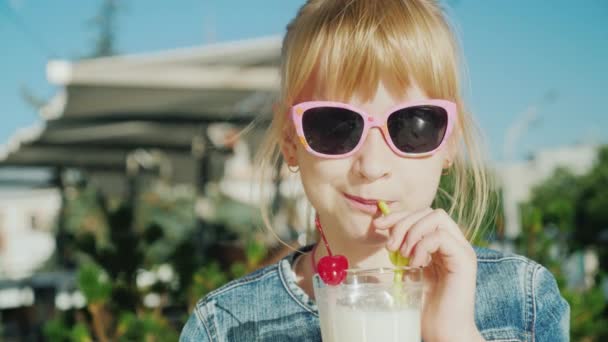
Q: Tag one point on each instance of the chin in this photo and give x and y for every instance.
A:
(358, 228)
(376, 238)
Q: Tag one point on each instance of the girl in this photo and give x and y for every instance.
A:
(370, 109)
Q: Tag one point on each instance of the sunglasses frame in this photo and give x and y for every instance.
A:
(297, 112)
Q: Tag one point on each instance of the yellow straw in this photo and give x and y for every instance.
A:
(384, 207)
(396, 259)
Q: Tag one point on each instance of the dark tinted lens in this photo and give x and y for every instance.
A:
(330, 130)
(418, 129)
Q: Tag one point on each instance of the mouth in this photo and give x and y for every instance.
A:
(367, 205)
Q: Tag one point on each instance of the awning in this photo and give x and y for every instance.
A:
(216, 80)
(108, 107)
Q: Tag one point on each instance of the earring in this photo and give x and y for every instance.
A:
(293, 169)
(446, 170)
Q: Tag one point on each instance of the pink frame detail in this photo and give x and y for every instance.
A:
(370, 122)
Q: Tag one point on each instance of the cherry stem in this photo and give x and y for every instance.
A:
(320, 229)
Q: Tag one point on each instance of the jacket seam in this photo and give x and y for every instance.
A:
(244, 281)
(210, 299)
(530, 300)
(491, 331)
(199, 315)
(288, 289)
(527, 261)
(533, 327)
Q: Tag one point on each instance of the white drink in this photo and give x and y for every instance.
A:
(371, 305)
(345, 324)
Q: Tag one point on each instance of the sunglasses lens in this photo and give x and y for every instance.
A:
(418, 129)
(331, 130)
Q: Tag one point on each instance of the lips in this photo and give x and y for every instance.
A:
(366, 205)
(366, 201)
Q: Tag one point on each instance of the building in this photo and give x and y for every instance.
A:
(517, 179)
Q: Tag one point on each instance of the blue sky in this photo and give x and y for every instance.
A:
(517, 52)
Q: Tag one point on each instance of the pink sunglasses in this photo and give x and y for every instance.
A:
(337, 130)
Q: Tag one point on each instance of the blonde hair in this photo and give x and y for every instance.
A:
(348, 47)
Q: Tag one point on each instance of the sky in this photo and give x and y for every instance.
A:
(547, 58)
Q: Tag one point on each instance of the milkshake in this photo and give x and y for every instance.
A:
(370, 306)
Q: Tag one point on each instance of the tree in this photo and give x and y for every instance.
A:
(591, 215)
(567, 215)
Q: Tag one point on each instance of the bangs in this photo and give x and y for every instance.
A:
(352, 46)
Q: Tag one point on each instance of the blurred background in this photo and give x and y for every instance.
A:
(126, 190)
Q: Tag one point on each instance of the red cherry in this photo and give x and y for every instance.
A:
(332, 269)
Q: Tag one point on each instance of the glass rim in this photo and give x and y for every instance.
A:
(381, 270)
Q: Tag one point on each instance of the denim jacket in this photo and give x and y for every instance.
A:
(516, 300)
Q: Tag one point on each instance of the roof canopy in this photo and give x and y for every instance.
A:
(107, 107)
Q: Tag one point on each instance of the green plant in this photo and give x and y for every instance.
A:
(57, 330)
(149, 326)
(155, 235)
(211, 276)
(586, 306)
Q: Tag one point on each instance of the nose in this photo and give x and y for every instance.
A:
(373, 160)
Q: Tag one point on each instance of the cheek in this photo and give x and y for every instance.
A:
(321, 170)
(419, 181)
(322, 178)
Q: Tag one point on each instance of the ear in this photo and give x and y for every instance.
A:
(451, 151)
(448, 161)
(289, 144)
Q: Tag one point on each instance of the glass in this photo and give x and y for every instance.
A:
(371, 305)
